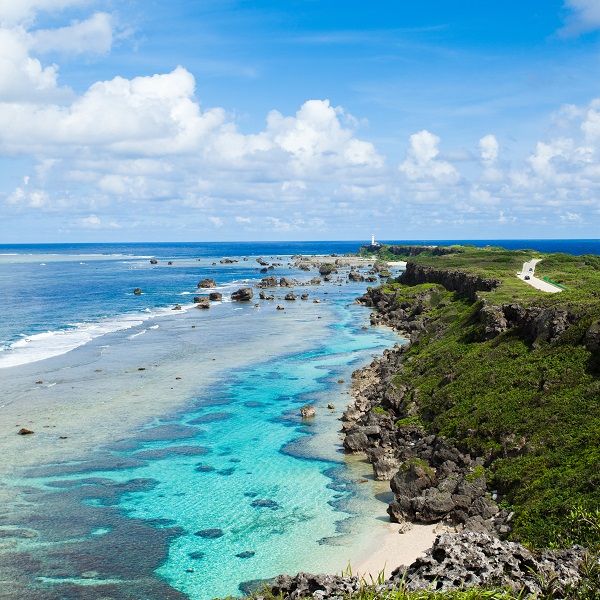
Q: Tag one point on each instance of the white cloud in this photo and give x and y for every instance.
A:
(243, 220)
(14, 12)
(489, 148)
(422, 162)
(92, 36)
(28, 198)
(216, 221)
(584, 16)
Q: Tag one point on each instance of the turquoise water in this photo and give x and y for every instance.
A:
(234, 460)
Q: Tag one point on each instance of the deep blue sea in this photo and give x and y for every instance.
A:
(169, 459)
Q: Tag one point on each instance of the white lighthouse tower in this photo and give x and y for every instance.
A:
(374, 244)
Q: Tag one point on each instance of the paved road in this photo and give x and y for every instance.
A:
(540, 284)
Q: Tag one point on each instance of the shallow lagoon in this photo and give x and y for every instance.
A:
(206, 437)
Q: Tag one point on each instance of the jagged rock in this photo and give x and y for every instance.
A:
(286, 282)
(279, 307)
(177, 307)
(25, 431)
(356, 442)
(228, 261)
(242, 295)
(303, 586)
(355, 276)
(308, 411)
(290, 296)
(202, 302)
(267, 282)
(207, 283)
(315, 281)
(385, 463)
(477, 559)
(137, 291)
(215, 296)
(304, 297)
(592, 338)
(263, 296)
(327, 269)
(153, 261)
(262, 262)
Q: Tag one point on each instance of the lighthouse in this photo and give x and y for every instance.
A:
(374, 244)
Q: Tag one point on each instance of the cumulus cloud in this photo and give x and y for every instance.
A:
(422, 162)
(14, 12)
(148, 146)
(489, 148)
(92, 36)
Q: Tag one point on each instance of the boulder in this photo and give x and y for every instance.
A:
(327, 269)
(355, 276)
(202, 302)
(215, 296)
(153, 261)
(267, 282)
(264, 296)
(228, 261)
(207, 283)
(137, 291)
(290, 296)
(304, 297)
(25, 431)
(308, 411)
(286, 282)
(177, 307)
(242, 295)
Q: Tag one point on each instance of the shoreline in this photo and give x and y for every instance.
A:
(137, 389)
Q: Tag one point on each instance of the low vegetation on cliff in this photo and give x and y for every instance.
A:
(511, 375)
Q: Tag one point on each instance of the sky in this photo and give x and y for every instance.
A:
(208, 120)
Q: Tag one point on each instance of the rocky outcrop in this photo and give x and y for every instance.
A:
(536, 324)
(244, 294)
(267, 282)
(215, 296)
(137, 291)
(464, 283)
(201, 302)
(207, 283)
(416, 250)
(308, 411)
(287, 282)
(355, 276)
(475, 559)
(326, 269)
(455, 561)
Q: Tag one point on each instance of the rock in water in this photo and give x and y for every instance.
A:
(137, 291)
(215, 296)
(210, 534)
(207, 283)
(153, 261)
(202, 302)
(308, 411)
(290, 296)
(242, 295)
(326, 269)
(24, 431)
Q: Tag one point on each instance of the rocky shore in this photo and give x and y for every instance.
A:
(433, 480)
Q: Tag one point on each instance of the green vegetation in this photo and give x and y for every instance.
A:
(532, 411)
(413, 421)
(379, 410)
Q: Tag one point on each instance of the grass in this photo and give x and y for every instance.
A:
(532, 411)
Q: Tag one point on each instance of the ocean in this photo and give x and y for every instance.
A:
(169, 459)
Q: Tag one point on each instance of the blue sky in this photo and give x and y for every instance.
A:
(222, 120)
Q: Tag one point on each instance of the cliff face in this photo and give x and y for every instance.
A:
(465, 284)
(472, 409)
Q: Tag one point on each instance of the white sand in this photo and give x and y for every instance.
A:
(390, 549)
